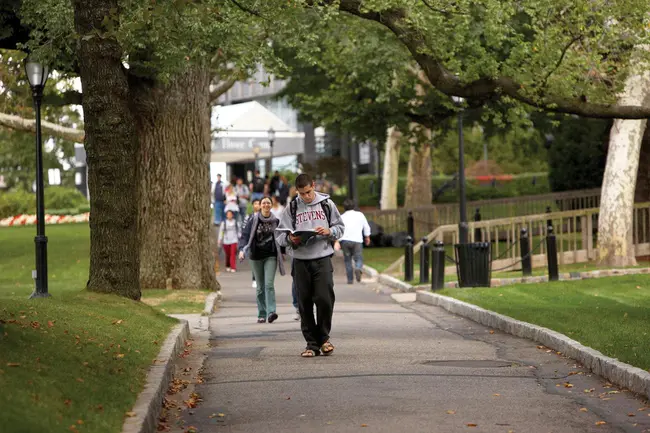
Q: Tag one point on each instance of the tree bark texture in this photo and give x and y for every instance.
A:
(390, 177)
(111, 149)
(173, 124)
(418, 179)
(615, 221)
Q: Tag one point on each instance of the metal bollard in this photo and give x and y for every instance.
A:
(437, 266)
(408, 259)
(410, 225)
(551, 255)
(526, 259)
(424, 262)
(477, 231)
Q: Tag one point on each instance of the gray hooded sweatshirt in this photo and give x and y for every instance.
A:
(309, 216)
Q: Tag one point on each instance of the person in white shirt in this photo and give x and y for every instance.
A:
(357, 231)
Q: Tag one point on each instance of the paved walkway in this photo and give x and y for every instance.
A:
(397, 368)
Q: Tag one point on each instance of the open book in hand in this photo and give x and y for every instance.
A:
(304, 235)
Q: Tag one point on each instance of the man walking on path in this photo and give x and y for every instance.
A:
(312, 260)
(243, 194)
(219, 201)
(357, 230)
(257, 186)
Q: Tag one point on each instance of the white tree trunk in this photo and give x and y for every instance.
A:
(391, 170)
(615, 221)
(418, 178)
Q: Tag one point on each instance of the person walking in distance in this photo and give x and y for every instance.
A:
(357, 231)
(243, 194)
(312, 260)
(246, 232)
(229, 234)
(265, 258)
(219, 201)
(257, 186)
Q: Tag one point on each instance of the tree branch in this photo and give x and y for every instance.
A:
(71, 97)
(18, 123)
(246, 9)
(222, 88)
(449, 84)
(559, 61)
(441, 11)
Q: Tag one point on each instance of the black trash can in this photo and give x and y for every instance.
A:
(473, 264)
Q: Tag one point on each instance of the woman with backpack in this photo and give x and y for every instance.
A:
(265, 257)
(229, 234)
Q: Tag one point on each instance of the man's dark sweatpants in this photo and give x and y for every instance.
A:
(315, 284)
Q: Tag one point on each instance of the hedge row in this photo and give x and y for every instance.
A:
(58, 201)
(529, 185)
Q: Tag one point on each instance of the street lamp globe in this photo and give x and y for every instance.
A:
(271, 134)
(37, 74)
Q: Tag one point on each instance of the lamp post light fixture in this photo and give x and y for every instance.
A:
(37, 76)
(271, 140)
(462, 225)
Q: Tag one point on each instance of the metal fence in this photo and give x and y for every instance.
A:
(427, 218)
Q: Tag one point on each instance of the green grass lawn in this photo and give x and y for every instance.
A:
(608, 314)
(75, 361)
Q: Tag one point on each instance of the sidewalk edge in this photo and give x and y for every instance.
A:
(210, 303)
(148, 406)
(617, 372)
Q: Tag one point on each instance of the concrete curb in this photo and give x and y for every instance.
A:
(211, 303)
(395, 283)
(371, 272)
(148, 406)
(619, 373)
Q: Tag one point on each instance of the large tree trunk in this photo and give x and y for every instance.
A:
(111, 149)
(418, 179)
(615, 221)
(642, 192)
(173, 123)
(390, 178)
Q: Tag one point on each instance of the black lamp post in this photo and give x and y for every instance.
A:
(256, 152)
(462, 225)
(271, 140)
(37, 76)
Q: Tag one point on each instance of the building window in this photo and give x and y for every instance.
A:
(319, 145)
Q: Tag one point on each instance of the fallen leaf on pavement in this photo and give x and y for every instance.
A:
(590, 390)
(130, 414)
(600, 423)
(584, 409)
(497, 395)
(631, 414)
(364, 425)
(451, 412)
(491, 331)
(470, 424)
(568, 385)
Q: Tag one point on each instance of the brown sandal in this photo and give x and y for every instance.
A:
(327, 348)
(309, 353)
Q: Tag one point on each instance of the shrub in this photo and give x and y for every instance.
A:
(16, 203)
(58, 197)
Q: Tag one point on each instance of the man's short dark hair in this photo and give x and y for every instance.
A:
(303, 180)
(349, 204)
(256, 200)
